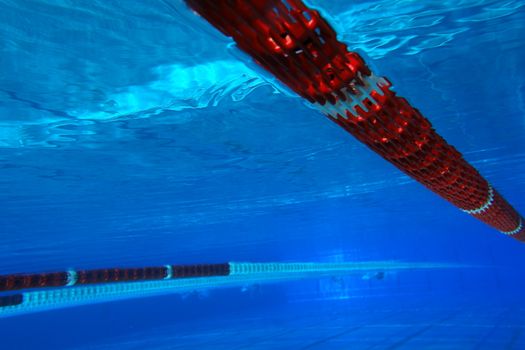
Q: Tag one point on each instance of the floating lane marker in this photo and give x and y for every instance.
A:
(238, 275)
(302, 50)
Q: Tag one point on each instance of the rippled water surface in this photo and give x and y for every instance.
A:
(132, 133)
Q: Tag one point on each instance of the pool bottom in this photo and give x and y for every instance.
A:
(421, 323)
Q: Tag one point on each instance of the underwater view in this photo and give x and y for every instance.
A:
(247, 174)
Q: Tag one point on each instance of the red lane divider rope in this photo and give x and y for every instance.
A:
(301, 49)
(112, 275)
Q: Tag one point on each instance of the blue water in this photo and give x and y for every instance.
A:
(132, 133)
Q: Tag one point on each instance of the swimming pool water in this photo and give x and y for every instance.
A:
(132, 133)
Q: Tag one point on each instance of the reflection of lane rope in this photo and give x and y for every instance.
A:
(239, 274)
(299, 47)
